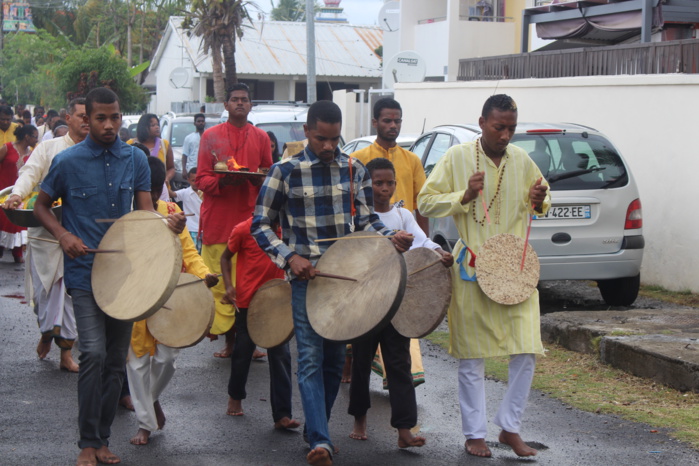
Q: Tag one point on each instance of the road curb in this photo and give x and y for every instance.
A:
(662, 345)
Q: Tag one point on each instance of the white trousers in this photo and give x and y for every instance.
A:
(472, 395)
(148, 377)
(54, 307)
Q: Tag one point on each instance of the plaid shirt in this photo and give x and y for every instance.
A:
(311, 200)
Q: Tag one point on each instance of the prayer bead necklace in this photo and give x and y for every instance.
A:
(497, 191)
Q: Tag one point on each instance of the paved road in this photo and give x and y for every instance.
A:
(38, 411)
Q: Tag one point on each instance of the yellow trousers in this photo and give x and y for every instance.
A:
(225, 313)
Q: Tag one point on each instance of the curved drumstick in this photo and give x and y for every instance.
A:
(89, 250)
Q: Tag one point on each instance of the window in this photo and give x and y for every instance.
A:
(440, 144)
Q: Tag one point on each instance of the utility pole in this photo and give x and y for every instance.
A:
(310, 53)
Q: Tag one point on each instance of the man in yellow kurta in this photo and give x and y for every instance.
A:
(513, 188)
(150, 364)
(7, 126)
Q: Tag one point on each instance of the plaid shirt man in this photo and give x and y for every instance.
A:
(311, 200)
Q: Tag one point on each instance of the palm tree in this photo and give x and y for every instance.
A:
(219, 23)
(288, 10)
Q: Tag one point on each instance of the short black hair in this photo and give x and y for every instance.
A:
(237, 87)
(385, 102)
(99, 95)
(143, 126)
(22, 132)
(192, 171)
(75, 102)
(6, 110)
(502, 102)
(199, 115)
(26, 114)
(140, 146)
(380, 163)
(325, 111)
(157, 174)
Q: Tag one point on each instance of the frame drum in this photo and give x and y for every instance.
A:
(427, 294)
(342, 310)
(498, 269)
(133, 285)
(187, 316)
(270, 320)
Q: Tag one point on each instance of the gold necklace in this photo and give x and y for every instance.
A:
(497, 191)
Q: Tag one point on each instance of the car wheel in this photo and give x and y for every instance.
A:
(620, 291)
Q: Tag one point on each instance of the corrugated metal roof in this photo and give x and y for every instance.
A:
(279, 48)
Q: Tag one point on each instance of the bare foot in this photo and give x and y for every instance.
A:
(44, 346)
(159, 415)
(286, 423)
(125, 402)
(257, 354)
(359, 429)
(225, 353)
(105, 456)
(347, 371)
(87, 457)
(67, 362)
(235, 407)
(141, 437)
(406, 439)
(319, 456)
(477, 447)
(515, 442)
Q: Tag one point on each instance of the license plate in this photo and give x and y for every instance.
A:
(566, 212)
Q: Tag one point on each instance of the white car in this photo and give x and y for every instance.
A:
(405, 141)
(593, 230)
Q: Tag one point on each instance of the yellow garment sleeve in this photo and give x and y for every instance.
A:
(439, 197)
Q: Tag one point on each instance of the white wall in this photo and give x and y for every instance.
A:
(174, 56)
(652, 120)
(430, 43)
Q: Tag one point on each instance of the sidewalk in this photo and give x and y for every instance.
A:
(662, 345)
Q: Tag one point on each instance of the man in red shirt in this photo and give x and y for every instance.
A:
(254, 269)
(228, 199)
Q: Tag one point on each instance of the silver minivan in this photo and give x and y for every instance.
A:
(593, 230)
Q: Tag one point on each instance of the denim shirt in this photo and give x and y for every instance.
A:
(94, 181)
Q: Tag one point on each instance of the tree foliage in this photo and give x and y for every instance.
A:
(81, 72)
(28, 65)
(288, 10)
(219, 23)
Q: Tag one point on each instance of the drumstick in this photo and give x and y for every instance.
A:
(94, 251)
(353, 237)
(425, 267)
(329, 275)
(196, 281)
(111, 220)
(526, 242)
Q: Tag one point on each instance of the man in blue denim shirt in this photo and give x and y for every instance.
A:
(327, 215)
(99, 177)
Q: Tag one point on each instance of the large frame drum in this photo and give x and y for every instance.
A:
(342, 310)
(134, 284)
(427, 294)
(187, 316)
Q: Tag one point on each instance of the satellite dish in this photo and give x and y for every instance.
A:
(389, 16)
(407, 67)
(179, 77)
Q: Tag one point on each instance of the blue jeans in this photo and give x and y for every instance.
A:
(319, 370)
(279, 369)
(103, 343)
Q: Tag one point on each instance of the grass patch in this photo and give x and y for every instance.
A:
(583, 382)
(683, 298)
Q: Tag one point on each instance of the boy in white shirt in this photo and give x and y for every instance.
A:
(395, 347)
(191, 204)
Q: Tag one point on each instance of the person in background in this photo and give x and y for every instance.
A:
(190, 198)
(38, 112)
(60, 129)
(276, 155)
(27, 117)
(7, 126)
(46, 131)
(124, 134)
(190, 147)
(148, 134)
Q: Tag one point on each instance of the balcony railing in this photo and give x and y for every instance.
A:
(680, 56)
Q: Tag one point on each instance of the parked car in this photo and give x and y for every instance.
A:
(174, 128)
(130, 122)
(284, 119)
(593, 230)
(405, 141)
